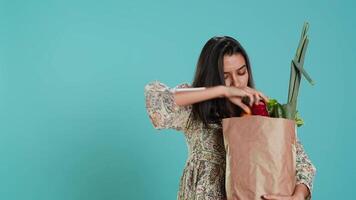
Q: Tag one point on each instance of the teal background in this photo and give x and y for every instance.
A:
(73, 123)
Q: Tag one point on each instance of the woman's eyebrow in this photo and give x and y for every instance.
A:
(238, 68)
(242, 67)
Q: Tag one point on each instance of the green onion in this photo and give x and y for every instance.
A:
(289, 110)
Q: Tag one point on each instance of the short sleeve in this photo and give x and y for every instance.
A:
(162, 110)
(305, 170)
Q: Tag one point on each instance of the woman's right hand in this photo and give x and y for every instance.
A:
(235, 95)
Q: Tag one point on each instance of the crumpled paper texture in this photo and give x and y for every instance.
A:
(260, 156)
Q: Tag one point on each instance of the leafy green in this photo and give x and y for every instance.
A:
(277, 110)
(299, 121)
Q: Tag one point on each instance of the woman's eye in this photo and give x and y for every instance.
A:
(241, 72)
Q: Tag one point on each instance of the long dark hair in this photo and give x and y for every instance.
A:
(210, 72)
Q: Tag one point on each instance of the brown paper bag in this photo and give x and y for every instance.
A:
(260, 156)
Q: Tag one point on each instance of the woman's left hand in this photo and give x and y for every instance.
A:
(281, 197)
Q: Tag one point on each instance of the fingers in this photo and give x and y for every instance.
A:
(237, 101)
(276, 197)
(252, 99)
(269, 197)
(264, 97)
(242, 92)
(254, 96)
(258, 96)
(245, 108)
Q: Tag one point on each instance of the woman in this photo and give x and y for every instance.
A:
(223, 76)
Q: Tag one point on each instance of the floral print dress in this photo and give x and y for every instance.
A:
(203, 176)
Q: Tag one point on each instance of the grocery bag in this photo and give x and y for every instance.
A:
(260, 156)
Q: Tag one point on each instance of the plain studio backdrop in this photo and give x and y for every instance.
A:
(73, 123)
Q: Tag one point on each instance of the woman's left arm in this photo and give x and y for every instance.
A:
(305, 171)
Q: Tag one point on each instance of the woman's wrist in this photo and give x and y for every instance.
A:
(224, 90)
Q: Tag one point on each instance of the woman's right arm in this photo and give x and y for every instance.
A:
(188, 96)
(171, 107)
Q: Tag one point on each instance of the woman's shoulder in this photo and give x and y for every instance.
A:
(161, 107)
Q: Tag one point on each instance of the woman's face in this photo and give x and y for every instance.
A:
(235, 70)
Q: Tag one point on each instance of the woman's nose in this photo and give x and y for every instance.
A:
(235, 81)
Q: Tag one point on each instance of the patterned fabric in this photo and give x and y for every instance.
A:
(203, 176)
(305, 170)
